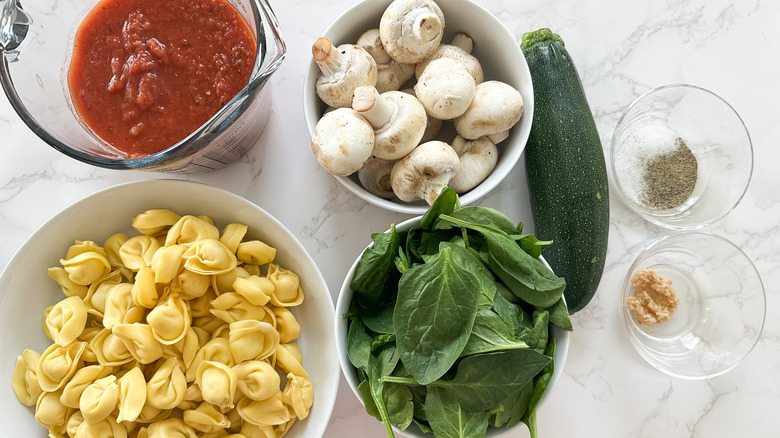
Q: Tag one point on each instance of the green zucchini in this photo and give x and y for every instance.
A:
(567, 175)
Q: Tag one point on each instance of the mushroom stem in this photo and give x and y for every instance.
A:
(327, 57)
(427, 26)
(463, 41)
(373, 106)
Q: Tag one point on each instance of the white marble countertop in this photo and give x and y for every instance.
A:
(622, 49)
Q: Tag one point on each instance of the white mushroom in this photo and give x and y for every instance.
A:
(433, 125)
(424, 172)
(459, 50)
(398, 119)
(478, 158)
(342, 69)
(374, 176)
(391, 74)
(496, 108)
(342, 141)
(445, 88)
(411, 29)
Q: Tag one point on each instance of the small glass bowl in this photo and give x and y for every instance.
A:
(721, 310)
(654, 125)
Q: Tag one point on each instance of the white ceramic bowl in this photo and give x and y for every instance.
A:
(494, 47)
(26, 290)
(350, 373)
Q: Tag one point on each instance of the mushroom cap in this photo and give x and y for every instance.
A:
(477, 159)
(496, 107)
(411, 29)
(404, 130)
(342, 141)
(391, 76)
(355, 68)
(424, 172)
(370, 41)
(375, 177)
(445, 88)
(449, 51)
(433, 125)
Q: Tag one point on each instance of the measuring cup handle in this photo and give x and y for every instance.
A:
(275, 46)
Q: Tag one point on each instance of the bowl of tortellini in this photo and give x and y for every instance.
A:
(165, 308)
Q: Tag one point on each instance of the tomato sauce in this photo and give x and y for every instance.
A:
(147, 73)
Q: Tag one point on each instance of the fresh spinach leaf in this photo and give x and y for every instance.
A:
(485, 216)
(445, 203)
(379, 320)
(491, 333)
(372, 272)
(541, 382)
(365, 393)
(531, 244)
(448, 419)
(466, 260)
(537, 336)
(485, 380)
(400, 406)
(381, 363)
(382, 340)
(434, 313)
(511, 411)
(559, 315)
(359, 342)
(526, 276)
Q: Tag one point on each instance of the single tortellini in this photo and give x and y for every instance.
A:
(268, 412)
(216, 350)
(231, 307)
(255, 252)
(138, 252)
(206, 418)
(171, 428)
(110, 349)
(252, 340)
(209, 257)
(85, 262)
(132, 395)
(257, 379)
(97, 295)
(50, 412)
(25, 377)
(71, 393)
(191, 285)
(170, 320)
(232, 235)
(155, 221)
(218, 383)
(107, 427)
(150, 414)
(287, 286)
(192, 398)
(201, 306)
(190, 229)
(66, 320)
(87, 335)
(167, 386)
(144, 290)
(286, 325)
(140, 341)
(120, 307)
(58, 364)
(288, 359)
(208, 323)
(111, 246)
(68, 286)
(166, 263)
(99, 399)
(223, 283)
(299, 395)
(257, 290)
(184, 350)
(73, 423)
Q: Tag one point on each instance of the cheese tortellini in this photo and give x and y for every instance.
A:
(179, 331)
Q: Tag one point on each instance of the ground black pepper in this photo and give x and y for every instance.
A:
(669, 178)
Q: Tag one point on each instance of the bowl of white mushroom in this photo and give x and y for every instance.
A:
(403, 98)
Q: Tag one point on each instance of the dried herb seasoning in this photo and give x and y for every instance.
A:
(669, 178)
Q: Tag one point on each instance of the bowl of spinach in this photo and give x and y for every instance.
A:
(453, 324)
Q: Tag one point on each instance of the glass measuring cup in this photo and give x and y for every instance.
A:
(36, 39)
